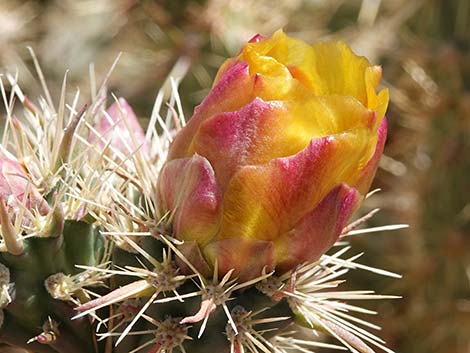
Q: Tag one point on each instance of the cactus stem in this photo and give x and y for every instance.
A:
(247, 336)
(170, 334)
(124, 313)
(14, 335)
(67, 287)
(163, 278)
(166, 239)
(12, 241)
(219, 293)
(137, 317)
(54, 225)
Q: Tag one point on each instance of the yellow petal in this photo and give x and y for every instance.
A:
(325, 115)
(324, 68)
(376, 102)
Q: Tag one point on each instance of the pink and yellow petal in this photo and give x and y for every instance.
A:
(188, 189)
(247, 257)
(262, 131)
(265, 201)
(233, 90)
(318, 230)
(250, 135)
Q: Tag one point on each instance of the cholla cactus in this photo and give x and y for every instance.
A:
(198, 236)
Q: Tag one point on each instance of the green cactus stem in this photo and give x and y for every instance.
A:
(31, 305)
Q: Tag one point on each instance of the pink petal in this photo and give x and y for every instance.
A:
(318, 230)
(246, 136)
(232, 90)
(14, 181)
(257, 38)
(248, 257)
(188, 189)
(121, 128)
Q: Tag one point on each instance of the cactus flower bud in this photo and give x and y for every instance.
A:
(120, 128)
(15, 182)
(277, 157)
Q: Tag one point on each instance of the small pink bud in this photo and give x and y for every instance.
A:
(120, 128)
(15, 182)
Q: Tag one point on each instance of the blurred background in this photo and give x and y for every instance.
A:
(424, 49)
